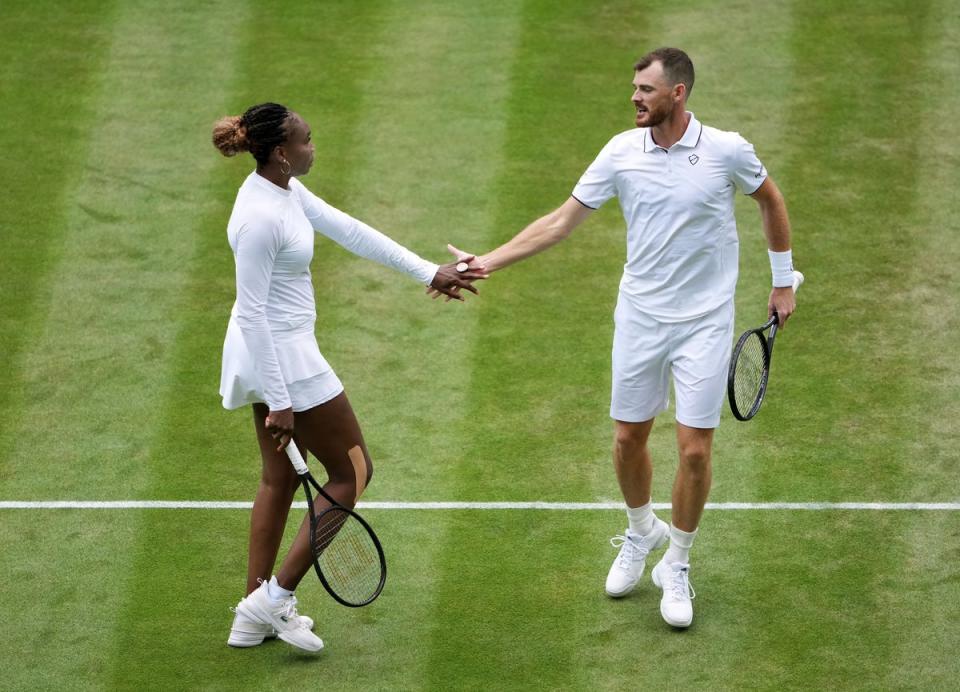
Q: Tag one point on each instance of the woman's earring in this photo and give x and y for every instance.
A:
(289, 167)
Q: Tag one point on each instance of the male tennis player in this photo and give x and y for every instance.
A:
(676, 180)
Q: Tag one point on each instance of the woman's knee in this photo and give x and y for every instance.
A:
(278, 479)
(368, 468)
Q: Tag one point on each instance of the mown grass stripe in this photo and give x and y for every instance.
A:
(540, 342)
(553, 506)
(426, 151)
(930, 302)
(857, 228)
(423, 171)
(45, 102)
(856, 234)
(96, 366)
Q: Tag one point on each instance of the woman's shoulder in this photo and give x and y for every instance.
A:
(256, 216)
(312, 204)
(303, 193)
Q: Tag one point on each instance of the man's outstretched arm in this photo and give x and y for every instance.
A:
(545, 232)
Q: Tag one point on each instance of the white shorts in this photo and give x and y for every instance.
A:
(646, 352)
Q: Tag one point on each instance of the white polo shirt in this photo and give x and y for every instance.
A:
(682, 247)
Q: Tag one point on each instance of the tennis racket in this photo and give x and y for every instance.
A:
(347, 554)
(750, 365)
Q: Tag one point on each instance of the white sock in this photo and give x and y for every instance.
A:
(641, 519)
(277, 592)
(680, 543)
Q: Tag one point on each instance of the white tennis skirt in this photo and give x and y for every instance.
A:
(309, 378)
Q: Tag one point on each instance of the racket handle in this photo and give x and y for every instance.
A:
(296, 459)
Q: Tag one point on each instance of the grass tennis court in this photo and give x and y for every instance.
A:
(460, 122)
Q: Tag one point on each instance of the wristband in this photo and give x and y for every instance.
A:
(781, 265)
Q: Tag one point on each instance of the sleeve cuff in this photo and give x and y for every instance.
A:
(428, 273)
(583, 203)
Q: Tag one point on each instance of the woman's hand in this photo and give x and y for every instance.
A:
(461, 274)
(280, 426)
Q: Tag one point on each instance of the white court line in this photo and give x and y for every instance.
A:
(556, 506)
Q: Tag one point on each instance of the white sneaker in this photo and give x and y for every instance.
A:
(628, 567)
(675, 606)
(246, 632)
(281, 615)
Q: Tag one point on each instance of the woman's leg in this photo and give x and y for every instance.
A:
(331, 433)
(278, 483)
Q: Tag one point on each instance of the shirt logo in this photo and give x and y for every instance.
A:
(693, 158)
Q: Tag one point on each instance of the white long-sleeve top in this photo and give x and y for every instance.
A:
(271, 234)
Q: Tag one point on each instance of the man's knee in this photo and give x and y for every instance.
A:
(632, 436)
(695, 455)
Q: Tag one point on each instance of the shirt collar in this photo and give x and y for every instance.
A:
(262, 182)
(690, 139)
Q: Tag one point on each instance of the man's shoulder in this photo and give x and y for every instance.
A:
(629, 137)
(721, 138)
(624, 143)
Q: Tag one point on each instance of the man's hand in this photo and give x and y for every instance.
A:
(783, 301)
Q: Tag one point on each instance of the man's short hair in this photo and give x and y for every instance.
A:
(677, 66)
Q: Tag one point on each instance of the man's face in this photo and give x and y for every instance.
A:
(299, 147)
(653, 95)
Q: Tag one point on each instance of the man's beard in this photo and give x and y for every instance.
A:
(655, 117)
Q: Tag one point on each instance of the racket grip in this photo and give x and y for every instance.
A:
(797, 280)
(296, 459)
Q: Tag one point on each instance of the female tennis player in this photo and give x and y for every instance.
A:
(271, 359)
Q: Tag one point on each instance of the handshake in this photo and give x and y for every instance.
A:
(458, 275)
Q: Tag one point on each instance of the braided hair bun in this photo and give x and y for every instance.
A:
(230, 135)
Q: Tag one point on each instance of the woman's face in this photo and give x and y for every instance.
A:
(298, 149)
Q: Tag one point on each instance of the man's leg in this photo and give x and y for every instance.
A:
(694, 475)
(641, 380)
(690, 490)
(631, 460)
(699, 361)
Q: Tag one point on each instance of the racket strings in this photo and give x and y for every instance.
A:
(347, 556)
(748, 373)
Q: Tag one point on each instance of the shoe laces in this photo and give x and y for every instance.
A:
(680, 587)
(290, 613)
(289, 606)
(631, 549)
